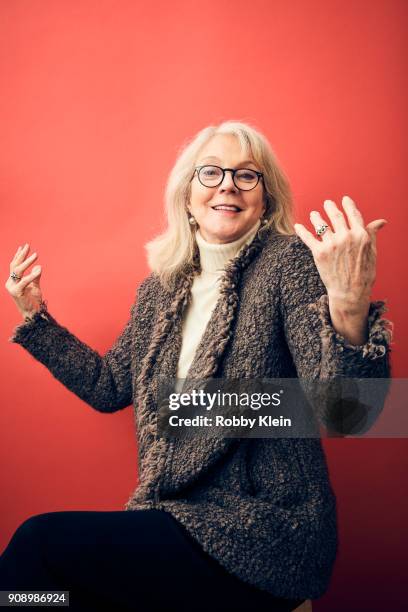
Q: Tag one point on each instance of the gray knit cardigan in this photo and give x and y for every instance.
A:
(263, 508)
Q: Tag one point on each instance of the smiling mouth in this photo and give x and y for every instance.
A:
(226, 207)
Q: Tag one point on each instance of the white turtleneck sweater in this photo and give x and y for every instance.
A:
(205, 292)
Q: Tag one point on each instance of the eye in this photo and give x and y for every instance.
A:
(246, 175)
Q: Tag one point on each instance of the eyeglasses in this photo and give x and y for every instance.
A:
(244, 179)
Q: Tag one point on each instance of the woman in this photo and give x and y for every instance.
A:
(233, 293)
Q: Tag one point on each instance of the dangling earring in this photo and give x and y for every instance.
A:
(264, 221)
(192, 220)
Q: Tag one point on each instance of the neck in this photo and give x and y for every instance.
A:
(214, 257)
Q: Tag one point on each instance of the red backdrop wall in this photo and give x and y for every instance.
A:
(97, 97)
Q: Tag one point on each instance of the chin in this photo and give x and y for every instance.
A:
(226, 234)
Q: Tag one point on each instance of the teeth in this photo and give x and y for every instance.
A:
(224, 207)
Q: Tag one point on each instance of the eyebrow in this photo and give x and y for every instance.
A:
(247, 161)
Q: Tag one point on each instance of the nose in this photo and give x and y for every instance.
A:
(227, 183)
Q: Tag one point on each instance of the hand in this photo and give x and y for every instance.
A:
(345, 257)
(26, 292)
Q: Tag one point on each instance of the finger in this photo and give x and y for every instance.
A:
(19, 268)
(317, 219)
(354, 216)
(23, 252)
(17, 253)
(306, 236)
(373, 227)
(336, 216)
(376, 225)
(16, 288)
(36, 280)
(33, 276)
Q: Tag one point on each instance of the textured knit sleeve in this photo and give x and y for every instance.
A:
(104, 382)
(318, 351)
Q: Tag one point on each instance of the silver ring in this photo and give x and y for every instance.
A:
(15, 277)
(320, 229)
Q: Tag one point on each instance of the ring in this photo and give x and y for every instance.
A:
(320, 229)
(15, 277)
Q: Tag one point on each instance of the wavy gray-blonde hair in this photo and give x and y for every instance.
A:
(171, 251)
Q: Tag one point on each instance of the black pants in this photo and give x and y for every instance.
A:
(138, 561)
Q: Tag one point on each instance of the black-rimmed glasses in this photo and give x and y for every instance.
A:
(244, 179)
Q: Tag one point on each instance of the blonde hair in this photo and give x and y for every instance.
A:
(171, 251)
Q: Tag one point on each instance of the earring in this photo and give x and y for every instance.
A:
(264, 221)
(192, 220)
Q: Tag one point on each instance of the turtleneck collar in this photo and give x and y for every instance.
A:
(214, 257)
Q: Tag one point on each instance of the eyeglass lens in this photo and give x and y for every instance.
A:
(211, 176)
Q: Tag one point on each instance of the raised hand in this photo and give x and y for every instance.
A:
(25, 290)
(345, 258)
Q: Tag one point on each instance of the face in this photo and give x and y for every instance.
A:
(217, 225)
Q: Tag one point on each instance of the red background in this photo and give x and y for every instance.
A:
(97, 97)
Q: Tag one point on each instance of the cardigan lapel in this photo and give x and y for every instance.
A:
(188, 457)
